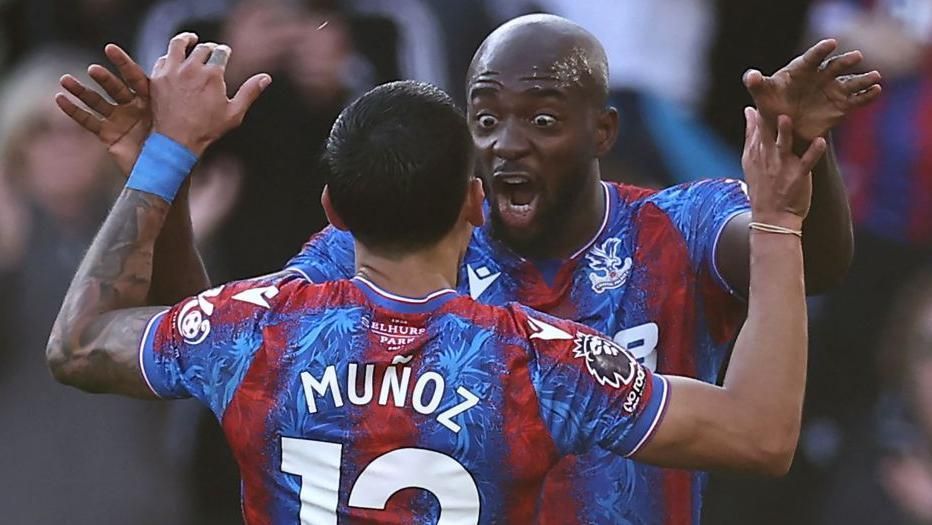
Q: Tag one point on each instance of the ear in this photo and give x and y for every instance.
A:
(475, 198)
(331, 213)
(606, 130)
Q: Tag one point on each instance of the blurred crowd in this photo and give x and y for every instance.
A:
(865, 456)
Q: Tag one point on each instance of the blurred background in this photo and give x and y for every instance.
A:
(67, 457)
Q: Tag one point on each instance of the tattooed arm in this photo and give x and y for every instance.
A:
(95, 341)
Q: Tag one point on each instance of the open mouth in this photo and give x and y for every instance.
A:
(516, 197)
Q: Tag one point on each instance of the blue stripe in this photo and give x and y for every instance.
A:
(897, 149)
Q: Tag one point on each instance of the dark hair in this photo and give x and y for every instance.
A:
(399, 160)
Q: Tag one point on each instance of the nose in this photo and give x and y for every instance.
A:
(510, 143)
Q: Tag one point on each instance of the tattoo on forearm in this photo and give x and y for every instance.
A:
(115, 274)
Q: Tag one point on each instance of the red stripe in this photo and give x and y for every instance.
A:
(378, 430)
(663, 253)
(530, 451)
(244, 424)
(920, 226)
(858, 149)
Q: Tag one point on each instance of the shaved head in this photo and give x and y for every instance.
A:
(547, 46)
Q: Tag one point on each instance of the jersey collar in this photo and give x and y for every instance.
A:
(402, 304)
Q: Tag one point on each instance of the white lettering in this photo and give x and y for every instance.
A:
(418, 397)
(398, 388)
(446, 417)
(352, 384)
(312, 386)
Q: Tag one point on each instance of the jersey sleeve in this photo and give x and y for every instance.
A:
(592, 392)
(328, 255)
(700, 210)
(203, 346)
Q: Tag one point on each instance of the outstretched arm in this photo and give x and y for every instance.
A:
(94, 343)
(123, 126)
(752, 422)
(816, 92)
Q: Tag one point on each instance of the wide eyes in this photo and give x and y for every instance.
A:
(541, 120)
(544, 120)
(487, 121)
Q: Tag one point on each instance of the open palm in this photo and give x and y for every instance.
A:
(815, 91)
(121, 125)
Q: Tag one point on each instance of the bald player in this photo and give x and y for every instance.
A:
(660, 271)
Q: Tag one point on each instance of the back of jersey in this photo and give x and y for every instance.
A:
(343, 403)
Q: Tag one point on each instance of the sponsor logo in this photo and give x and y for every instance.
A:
(479, 280)
(546, 332)
(608, 362)
(609, 271)
(257, 296)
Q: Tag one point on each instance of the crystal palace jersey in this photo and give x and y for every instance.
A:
(345, 404)
(647, 279)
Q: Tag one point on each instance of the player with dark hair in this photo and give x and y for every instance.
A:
(663, 272)
(336, 397)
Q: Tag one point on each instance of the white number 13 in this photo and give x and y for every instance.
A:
(318, 464)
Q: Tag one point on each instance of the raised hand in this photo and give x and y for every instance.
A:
(189, 95)
(121, 126)
(815, 91)
(779, 182)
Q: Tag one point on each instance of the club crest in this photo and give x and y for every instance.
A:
(609, 271)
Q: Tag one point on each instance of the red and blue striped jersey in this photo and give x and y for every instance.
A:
(345, 404)
(647, 279)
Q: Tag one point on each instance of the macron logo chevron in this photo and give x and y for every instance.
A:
(479, 280)
(545, 331)
(257, 296)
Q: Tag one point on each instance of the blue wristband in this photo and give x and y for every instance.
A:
(162, 167)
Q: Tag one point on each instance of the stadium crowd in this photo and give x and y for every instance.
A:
(865, 453)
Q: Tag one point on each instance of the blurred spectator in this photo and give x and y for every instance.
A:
(88, 24)
(67, 457)
(886, 158)
(657, 53)
(400, 38)
(885, 475)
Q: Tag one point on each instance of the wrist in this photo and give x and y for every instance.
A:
(162, 167)
(782, 219)
(194, 145)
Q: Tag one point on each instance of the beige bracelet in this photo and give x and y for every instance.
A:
(773, 228)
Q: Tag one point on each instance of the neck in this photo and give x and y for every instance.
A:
(412, 274)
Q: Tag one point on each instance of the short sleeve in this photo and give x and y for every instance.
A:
(203, 346)
(328, 255)
(700, 210)
(592, 392)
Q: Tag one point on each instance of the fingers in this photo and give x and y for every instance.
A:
(813, 154)
(202, 52)
(815, 55)
(220, 56)
(177, 47)
(131, 72)
(865, 97)
(112, 85)
(784, 134)
(90, 97)
(856, 83)
(838, 65)
(753, 81)
(83, 117)
(247, 94)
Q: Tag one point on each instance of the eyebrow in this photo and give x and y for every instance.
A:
(480, 91)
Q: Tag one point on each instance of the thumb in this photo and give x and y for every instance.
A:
(247, 94)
